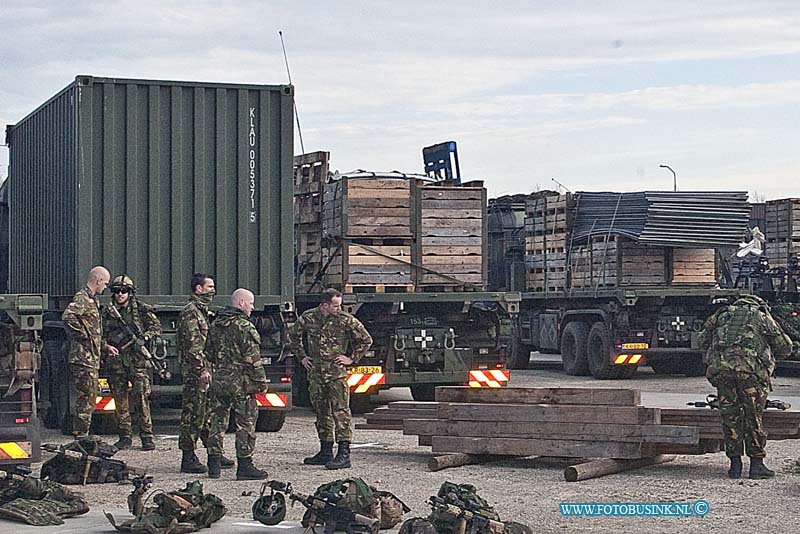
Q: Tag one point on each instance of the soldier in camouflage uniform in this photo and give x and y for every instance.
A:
(321, 339)
(234, 350)
(131, 366)
(788, 316)
(741, 340)
(82, 319)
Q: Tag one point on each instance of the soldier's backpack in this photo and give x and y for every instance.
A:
(465, 497)
(39, 502)
(361, 498)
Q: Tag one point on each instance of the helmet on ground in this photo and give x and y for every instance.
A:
(270, 509)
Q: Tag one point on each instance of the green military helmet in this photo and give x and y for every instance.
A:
(270, 509)
(753, 300)
(417, 525)
(123, 281)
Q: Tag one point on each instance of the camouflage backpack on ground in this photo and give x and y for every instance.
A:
(417, 525)
(39, 502)
(465, 497)
(361, 498)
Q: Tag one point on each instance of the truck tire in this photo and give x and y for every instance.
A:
(53, 386)
(300, 388)
(598, 348)
(573, 349)
(519, 355)
(270, 421)
(425, 392)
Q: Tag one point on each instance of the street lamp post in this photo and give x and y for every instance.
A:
(674, 177)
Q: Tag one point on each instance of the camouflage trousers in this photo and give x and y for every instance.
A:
(194, 414)
(330, 400)
(138, 398)
(742, 398)
(220, 402)
(85, 381)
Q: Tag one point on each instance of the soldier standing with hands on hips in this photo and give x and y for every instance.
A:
(321, 339)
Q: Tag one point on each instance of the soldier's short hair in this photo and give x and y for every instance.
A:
(198, 279)
(328, 294)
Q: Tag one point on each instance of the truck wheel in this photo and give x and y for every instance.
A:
(53, 384)
(599, 353)
(270, 421)
(573, 349)
(519, 353)
(424, 392)
(300, 388)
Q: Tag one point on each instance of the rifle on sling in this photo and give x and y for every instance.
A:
(117, 469)
(327, 509)
(133, 335)
(713, 402)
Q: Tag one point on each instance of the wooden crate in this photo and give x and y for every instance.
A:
(548, 221)
(451, 236)
(361, 266)
(641, 265)
(779, 251)
(360, 208)
(694, 266)
(783, 219)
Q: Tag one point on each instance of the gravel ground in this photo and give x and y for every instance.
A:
(528, 490)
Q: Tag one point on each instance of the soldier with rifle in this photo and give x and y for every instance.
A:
(129, 325)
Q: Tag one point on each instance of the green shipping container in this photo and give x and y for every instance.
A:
(156, 179)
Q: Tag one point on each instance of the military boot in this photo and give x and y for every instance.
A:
(758, 470)
(148, 444)
(214, 469)
(342, 460)
(204, 437)
(226, 462)
(247, 471)
(190, 463)
(735, 470)
(324, 455)
(123, 443)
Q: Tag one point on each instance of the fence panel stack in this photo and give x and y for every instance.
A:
(310, 173)
(451, 237)
(783, 231)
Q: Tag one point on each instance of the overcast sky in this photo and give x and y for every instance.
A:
(594, 94)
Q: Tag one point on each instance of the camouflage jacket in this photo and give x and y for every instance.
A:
(193, 327)
(787, 316)
(324, 338)
(742, 338)
(234, 349)
(142, 317)
(82, 319)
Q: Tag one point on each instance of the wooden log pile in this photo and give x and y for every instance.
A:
(782, 231)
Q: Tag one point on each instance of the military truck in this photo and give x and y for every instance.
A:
(409, 254)
(614, 280)
(20, 351)
(156, 180)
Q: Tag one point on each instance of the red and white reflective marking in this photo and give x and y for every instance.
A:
(363, 382)
(276, 400)
(104, 404)
(489, 378)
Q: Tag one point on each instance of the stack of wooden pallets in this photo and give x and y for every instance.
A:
(451, 237)
(310, 173)
(782, 231)
(548, 220)
(368, 222)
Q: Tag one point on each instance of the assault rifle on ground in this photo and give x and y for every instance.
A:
(117, 469)
(327, 510)
(466, 518)
(134, 336)
(713, 402)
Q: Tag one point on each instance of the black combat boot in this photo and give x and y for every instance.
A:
(204, 437)
(226, 462)
(214, 469)
(190, 463)
(123, 443)
(148, 444)
(735, 470)
(324, 455)
(758, 470)
(247, 471)
(342, 460)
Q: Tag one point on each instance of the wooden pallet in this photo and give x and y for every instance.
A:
(368, 208)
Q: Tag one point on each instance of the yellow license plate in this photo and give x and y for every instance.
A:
(635, 346)
(102, 383)
(366, 370)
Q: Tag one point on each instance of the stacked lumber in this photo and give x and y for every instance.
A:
(451, 236)
(391, 416)
(548, 220)
(564, 422)
(782, 231)
(310, 173)
(368, 222)
(694, 266)
(779, 425)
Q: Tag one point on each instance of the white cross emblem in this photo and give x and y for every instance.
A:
(423, 338)
(677, 323)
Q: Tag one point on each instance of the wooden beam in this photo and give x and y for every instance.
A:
(607, 466)
(437, 463)
(511, 395)
(630, 415)
(537, 447)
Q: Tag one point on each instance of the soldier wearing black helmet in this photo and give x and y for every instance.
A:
(123, 316)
